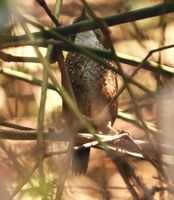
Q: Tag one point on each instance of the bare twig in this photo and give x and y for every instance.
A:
(85, 139)
(14, 126)
(43, 4)
(10, 58)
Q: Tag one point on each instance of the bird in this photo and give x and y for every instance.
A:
(94, 87)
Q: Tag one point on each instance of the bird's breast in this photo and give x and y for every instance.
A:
(94, 86)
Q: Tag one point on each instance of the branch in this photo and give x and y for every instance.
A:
(32, 135)
(88, 140)
(24, 77)
(133, 119)
(10, 58)
(14, 126)
(121, 57)
(86, 25)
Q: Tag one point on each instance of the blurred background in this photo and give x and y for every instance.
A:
(19, 102)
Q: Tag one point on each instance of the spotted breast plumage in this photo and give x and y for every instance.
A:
(94, 87)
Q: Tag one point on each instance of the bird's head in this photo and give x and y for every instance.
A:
(87, 38)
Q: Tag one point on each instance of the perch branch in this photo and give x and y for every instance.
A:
(85, 139)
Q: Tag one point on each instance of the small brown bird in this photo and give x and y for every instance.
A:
(94, 87)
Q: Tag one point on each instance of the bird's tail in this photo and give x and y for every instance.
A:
(80, 161)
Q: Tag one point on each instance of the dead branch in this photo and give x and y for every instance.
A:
(117, 143)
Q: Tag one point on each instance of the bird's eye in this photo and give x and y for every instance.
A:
(98, 34)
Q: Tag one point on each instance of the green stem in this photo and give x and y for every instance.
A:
(24, 77)
(121, 57)
(90, 24)
(40, 123)
(41, 115)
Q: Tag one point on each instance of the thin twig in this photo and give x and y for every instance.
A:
(24, 77)
(25, 179)
(14, 126)
(122, 58)
(10, 58)
(82, 138)
(43, 4)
